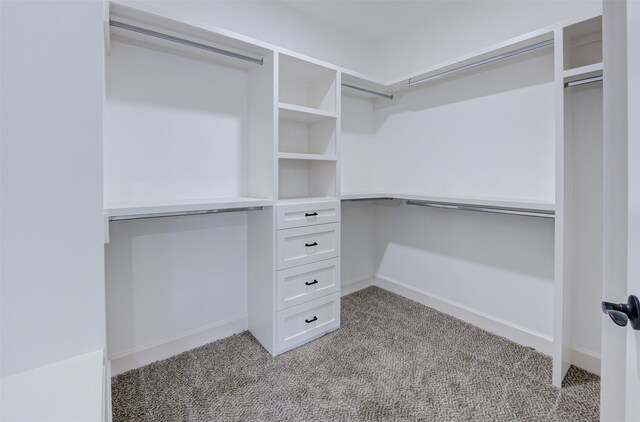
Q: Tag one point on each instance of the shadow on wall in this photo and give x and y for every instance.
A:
(173, 128)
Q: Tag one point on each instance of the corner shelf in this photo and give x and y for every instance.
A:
(530, 205)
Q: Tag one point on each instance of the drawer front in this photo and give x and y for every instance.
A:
(308, 282)
(305, 245)
(300, 215)
(297, 325)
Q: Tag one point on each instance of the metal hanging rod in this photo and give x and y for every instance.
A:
(483, 208)
(180, 213)
(370, 91)
(183, 41)
(482, 62)
(584, 81)
(381, 198)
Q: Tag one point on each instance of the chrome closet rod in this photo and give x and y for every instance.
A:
(583, 81)
(482, 208)
(482, 62)
(380, 198)
(370, 91)
(183, 41)
(180, 213)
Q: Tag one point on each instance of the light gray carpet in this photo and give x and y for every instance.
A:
(393, 359)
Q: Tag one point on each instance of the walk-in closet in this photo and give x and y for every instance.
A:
(286, 210)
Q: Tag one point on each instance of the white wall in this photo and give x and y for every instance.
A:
(487, 133)
(460, 27)
(168, 277)
(52, 304)
(278, 24)
(357, 145)
(497, 264)
(357, 241)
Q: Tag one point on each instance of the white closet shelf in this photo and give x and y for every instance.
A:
(583, 72)
(535, 205)
(300, 156)
(303, 114)
(183, 205)
(478, 56)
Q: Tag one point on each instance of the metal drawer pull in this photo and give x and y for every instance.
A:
(309, 321)
(312, 283)
(310, 214)
(308, 245)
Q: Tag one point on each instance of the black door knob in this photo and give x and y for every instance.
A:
(621, 313)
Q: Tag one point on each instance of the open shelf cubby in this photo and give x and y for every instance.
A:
(306, 137)
(306, 178)
(583, 44)
(307, 84)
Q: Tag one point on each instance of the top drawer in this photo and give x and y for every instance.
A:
(307, 214)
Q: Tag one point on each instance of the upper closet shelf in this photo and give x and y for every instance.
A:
(303, 114)
(149, 209)
(506, 49)
(524, 206)
(360, 86)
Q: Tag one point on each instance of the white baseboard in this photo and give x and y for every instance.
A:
(581, 358)
(513, 332)
(585, 359)
(351, 286)
(163, 349)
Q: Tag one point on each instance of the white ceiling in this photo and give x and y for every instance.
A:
(371, 19)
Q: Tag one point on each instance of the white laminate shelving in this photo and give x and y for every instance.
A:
(582, 44)
(531, 205)
(583, 72)
(579, 158)
(304, 114)
(308, 107)
(526, 40)
(298, 156)
(306, 179)
(201, 126)
(133, 209)
(289, 152)
(307, 84)
(304, 133)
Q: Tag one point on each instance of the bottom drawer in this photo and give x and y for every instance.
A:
(298, 325)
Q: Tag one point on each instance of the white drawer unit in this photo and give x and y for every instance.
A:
(299, 324)
(307, 214)
(307, 282)
(304, 245)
